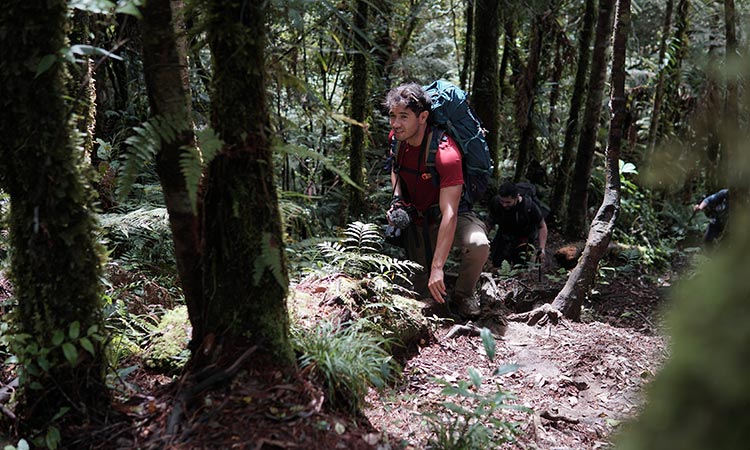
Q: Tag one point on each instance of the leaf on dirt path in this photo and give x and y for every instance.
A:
(489, 343)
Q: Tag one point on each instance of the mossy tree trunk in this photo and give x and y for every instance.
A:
(467, 64)
(485, 96)
(573, 127)
(56, 264)
(359, 111)
(581, 279)
(525, 98)
(660, 80)
(244, 269)
(576, 223)
(165, 69)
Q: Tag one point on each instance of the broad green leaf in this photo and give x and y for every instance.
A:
(71, 354)
(129, 7)
(75, 330)
(52, 439)
(476, 377)
(489, 343)
(82, 49)
(87, 345)
(44, 64)
(58, 337)
(93, 6)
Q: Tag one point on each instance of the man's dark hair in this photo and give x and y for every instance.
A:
(411, 96)
(507, 189)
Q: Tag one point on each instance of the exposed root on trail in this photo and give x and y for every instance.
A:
(540, 316)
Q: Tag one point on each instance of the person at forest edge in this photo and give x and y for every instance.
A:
(716, 208)
(440, 218)
(521, 226)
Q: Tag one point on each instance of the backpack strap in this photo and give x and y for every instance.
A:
(437, 136)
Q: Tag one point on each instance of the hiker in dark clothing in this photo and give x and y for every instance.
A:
(521, 226)
(716, 208)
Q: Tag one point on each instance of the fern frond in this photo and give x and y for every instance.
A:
(144, 145)
(305, 153)
(209, 144)
(191, 166)
(270, 258)
(363, 237)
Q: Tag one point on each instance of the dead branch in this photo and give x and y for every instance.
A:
(539, 316)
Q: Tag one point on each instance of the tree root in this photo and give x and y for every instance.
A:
(213, 377)
(469, 329)
(540, 316)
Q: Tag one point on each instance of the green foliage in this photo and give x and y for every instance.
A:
(271, 258)
(144, 145)
(347, 358)
(39, 356)
(167, 349)
(194, 160)
(140, 239)
(108, 6)
(470, 422)
(358, 255)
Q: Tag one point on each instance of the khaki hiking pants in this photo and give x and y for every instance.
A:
(470, 238)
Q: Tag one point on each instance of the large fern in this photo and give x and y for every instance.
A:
(358, 255)
(143, 146)
(146, 143)
(194, 160)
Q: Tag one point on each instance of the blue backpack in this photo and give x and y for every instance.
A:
(452, 114)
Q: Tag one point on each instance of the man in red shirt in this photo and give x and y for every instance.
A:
(442, 219)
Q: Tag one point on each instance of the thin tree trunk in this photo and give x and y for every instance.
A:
(525, 96)
(670, 113)
(56, 263)
(359, 108)
(485, 97)
(244, 266)
(731, 105)
(469, 44)
(575, 225)
(165, 68)
(509, 36)
(581, 279)
(659, 95)
(573, 127)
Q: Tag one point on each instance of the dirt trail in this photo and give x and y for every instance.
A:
(580, 379)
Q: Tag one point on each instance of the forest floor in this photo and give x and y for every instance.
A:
(578, 382)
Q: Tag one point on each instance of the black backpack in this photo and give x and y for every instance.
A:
(528, 191)
(452, 114)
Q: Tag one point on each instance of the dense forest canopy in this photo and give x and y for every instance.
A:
(199, 153)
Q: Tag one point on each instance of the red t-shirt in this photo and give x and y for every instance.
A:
(416, 181)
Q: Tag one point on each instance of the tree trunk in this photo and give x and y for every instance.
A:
(509, 36)
(244, 266)
(56, 263)
(165, 69)
(659, 94)
(358, 107)
(468, 45)
(81, 85)
(485, 97)
(581, 279)
(731, 107)
(558, 66)
(525, 96)
(670, 114)
(575, 225)
(573, 127)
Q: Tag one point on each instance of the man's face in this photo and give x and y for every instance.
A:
(508, 202)
(407, 125)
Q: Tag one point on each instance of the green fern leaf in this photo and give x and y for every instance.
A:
(270, 258)
(144, 145)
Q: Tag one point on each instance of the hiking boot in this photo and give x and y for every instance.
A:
(468, 308)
